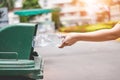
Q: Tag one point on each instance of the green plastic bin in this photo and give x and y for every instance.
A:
(17, 54)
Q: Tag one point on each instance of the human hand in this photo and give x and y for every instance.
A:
(69, 39)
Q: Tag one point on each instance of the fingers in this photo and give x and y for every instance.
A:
(63, 45)
(63, 36)
(66, 41)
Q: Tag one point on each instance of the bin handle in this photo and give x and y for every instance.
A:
(7, 54)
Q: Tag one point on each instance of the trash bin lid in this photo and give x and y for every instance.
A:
(30, 12)
(17, 64)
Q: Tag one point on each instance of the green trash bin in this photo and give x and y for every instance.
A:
(17, 54)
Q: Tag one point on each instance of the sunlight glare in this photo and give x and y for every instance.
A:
(90, 2)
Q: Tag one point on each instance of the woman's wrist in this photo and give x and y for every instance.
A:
(78, 37)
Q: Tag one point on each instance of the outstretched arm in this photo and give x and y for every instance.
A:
(101, 35)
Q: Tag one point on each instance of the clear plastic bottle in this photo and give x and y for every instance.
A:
(50, 39)
(46, 35)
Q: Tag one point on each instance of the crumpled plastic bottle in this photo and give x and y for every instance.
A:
(50, 39)
(46, 36)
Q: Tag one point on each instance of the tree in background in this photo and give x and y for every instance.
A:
(29, 4)
(7, 3)
(56, 18)
(2, 2)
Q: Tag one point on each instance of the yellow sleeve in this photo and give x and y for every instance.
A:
(119, 22)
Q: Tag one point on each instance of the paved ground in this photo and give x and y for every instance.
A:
(82, 61)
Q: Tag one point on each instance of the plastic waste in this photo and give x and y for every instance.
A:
(50, 39)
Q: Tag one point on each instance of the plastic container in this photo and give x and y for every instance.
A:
(50, 39)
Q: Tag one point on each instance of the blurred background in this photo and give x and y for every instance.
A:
(84, 60)
(73, 15)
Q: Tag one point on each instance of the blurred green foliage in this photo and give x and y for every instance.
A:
(29, 4)
(56, 18)
(7, 3)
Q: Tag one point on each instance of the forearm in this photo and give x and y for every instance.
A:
(101, 35)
